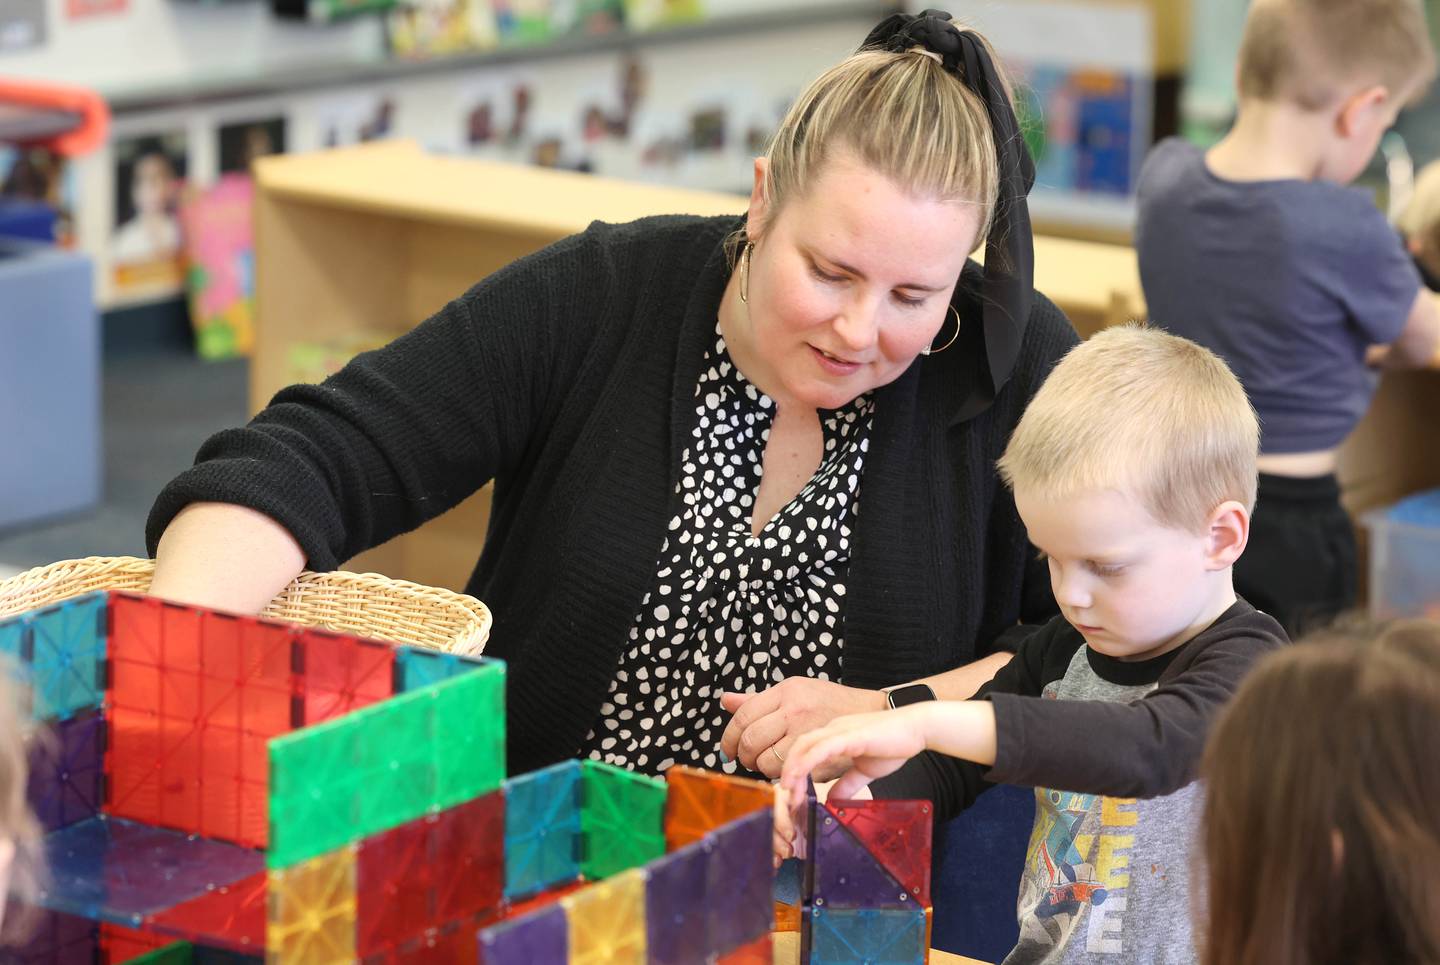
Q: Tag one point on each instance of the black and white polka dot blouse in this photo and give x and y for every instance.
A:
(728, 610)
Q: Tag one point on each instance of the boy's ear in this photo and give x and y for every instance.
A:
(1357, 112)
(1229, 531)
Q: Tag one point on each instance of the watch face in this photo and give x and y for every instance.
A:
(910, 694)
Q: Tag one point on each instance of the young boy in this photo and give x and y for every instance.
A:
(1258, 251)
(1420, 224)
(1134, 472)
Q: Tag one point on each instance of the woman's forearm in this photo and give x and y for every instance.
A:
(225, 557)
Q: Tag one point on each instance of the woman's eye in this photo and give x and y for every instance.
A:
(823, 276)
(909, 302)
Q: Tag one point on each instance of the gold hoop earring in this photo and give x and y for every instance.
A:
(936, 351)
(745, 273)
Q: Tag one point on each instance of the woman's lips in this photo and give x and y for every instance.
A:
(833, 364)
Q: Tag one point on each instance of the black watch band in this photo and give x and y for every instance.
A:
(908, 694)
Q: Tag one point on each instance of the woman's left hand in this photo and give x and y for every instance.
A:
(767, 723)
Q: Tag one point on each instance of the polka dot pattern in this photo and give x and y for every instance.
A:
(729, 610)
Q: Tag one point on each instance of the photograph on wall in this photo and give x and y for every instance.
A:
(355, 118)
(1080, 126)
(146, 254)
(240, 143)
(220, 252)
(37, 187)
(22, 24)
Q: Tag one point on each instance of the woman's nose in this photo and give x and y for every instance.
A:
(858, 325)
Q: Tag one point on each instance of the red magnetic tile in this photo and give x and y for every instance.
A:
(135, 627)
(342, 673)
(132, 762)
(394, 887)
(120, 944)
(468, 852)
(757, 952)
(232, 916)
(180, 642)
(181, 757)
(455, 944)
(518, 909)
(898, 834)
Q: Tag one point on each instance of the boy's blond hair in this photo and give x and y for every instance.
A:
(1421, 219)
(1145, 412)
(1314, 52)
(17, 821)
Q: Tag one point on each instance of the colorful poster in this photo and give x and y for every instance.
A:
(1080, 126)
(239, 144)
(83, 9)
(39, 187)
(428, 28)
(146, 254)
(220, 282)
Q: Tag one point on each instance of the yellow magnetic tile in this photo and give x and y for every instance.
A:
(311, 911)
(607, 921)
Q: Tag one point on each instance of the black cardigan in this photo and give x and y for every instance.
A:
(567, 378)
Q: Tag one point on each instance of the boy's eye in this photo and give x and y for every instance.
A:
(1100, 569)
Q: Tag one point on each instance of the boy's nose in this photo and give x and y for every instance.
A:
(1071, 591)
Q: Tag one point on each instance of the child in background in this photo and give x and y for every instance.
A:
(1420, 224)
(1258, 251)
(1133, 469)
(19, 831)
(1321, 831)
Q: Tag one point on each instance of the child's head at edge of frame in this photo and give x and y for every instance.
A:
(20, 835)
(1134, 471)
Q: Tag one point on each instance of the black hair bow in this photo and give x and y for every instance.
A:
(1010, 249)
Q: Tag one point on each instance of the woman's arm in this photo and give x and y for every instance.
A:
(225, 557)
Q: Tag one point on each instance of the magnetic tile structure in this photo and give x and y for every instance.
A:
(863, 892)
(220, 789)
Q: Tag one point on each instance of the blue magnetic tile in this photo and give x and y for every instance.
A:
(68, 656)
(676, 920)
(120, 871)
(788, 881)
(867, 936)
(741, 881)
(12, 635)
(67, 771)
(542, 829)
(539, 937)
(416, 667)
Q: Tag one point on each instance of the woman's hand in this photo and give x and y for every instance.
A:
(767, 723)
(869, 745)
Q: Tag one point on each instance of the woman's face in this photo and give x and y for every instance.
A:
(154, 184)
(848, 283)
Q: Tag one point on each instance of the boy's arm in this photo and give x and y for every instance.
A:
(1419, 343)
(1145, 748)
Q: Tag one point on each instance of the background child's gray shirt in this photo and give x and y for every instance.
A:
(1102, 873)
(1289, 281)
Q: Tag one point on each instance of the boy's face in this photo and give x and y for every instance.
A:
(1133, 588)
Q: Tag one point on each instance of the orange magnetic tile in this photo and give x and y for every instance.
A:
(758, 952)
(549, 897)
(700, 801)
(787, 917)
(311, 909)
(606, 921)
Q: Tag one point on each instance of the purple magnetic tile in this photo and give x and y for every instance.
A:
(741, 881)
(67, 771)
(541, 936)
(846, 874)
(57, 939)
(676, 919)
(120, 871)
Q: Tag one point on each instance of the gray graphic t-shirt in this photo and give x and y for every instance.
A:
(1107, 878)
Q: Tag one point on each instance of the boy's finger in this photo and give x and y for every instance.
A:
(849, 784)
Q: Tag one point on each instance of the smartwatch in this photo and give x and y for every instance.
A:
(908, 694)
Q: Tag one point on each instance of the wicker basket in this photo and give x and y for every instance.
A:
(364, 604)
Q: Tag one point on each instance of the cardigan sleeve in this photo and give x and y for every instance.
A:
(404, 433)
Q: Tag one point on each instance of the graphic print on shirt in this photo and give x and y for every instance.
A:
(729, 610)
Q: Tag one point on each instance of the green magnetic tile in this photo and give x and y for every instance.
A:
(314, 789)
(68, 656)
(621, 819)
(179, 953)
(396, 761)
(469, 736)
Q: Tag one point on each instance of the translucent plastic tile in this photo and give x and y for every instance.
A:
(741, 881)
(846, 874)
(898, 834)
(542, 829)
(394, 887)
(467, 858)
(312, 909)
(758, 952)
(396, 745)
(13, 638)
(417, 667)
(120, 871)
(453, 944)
(229, 916)
(700, 801)
(315, 785)
(541, 936)
(621, 819)
(67, 658)
(470, 734)
(67, 771)
(607, 921)
(339, 673)
(517, 909)
(175, 953)
(56, 938)
(676, 918)
(121, 944)
(867, 936)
